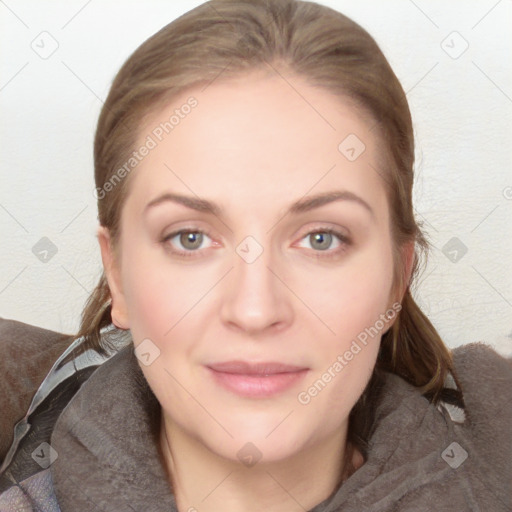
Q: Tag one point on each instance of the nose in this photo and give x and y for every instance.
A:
(255, 297)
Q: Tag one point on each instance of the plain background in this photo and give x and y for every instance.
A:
(453, 59)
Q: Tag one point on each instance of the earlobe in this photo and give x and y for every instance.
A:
(113, 275)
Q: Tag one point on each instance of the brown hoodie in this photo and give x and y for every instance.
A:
(92, 444)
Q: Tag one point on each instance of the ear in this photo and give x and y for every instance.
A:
(113, 274)
(408, 257)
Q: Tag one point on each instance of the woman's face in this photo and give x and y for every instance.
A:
(256, 231)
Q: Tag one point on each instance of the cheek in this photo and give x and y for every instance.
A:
(158, 295)
(162, 303)
(352, 297)
(353, 305)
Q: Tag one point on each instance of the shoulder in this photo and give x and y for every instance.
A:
(423, 452)
(481, 354)
(485, 377)
(30, 449)
(486, 381)
(28, 353)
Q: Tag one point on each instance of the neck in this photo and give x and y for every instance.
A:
(204, 481)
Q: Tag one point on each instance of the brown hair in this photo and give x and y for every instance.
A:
(327, 49)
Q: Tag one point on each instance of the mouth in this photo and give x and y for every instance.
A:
(256, 380)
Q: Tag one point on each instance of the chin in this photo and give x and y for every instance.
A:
(251, 445)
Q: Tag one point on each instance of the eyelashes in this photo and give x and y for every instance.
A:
(192, 241)
(329, 235)
(184, 236)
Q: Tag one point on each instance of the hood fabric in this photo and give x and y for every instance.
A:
(421, 457)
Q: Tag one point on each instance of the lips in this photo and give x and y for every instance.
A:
(256, 380)
(257, 369)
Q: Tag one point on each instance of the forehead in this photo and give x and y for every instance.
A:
(258, 137)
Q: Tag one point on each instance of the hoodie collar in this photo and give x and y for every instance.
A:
(109, 458)
(107, 444)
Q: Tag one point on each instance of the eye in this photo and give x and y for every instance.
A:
(184, 242)
(188, 242)
(325, 240)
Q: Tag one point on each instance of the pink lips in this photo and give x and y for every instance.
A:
(256, 379)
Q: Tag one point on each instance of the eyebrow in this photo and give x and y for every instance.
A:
(302, 205)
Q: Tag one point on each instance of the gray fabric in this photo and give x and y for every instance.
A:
(107, 444)
(34, 493)
(108, 455)
(27, 354)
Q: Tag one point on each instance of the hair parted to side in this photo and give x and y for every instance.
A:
(225, 38)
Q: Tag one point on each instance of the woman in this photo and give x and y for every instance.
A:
(254, 172)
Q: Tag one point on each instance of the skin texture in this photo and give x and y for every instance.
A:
(254, 146)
